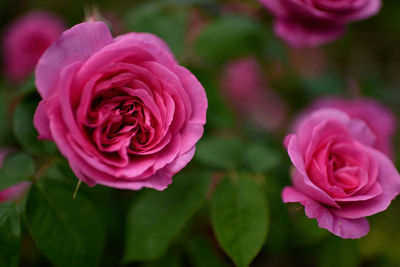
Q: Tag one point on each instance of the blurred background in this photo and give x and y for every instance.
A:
(255, 86)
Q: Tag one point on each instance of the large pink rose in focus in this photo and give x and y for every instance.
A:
(245, 86)
(121, 110)
(13, 192)
(25, 40)
(314, 22)
(338, 176)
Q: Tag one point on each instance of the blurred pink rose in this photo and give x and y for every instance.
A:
(314, 22)
(13, 192)
(121, 110)
(338, 176)
(246, 88)
(26, 39)
(379, 119)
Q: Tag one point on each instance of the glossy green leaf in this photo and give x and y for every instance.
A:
(69, 232)
(240, 218)
(221, 153)
(17, 167)
(156, 217)
(229, 36)
(10, 235)
(25, 132)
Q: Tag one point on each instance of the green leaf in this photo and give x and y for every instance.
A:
(220, 153)
(156, 217)
(69, 232)
(260, 158)
(17, 168)
(240, 218)
(166, 20)
(25, 132)
(229, 36)
(202, 253)
(10, 235)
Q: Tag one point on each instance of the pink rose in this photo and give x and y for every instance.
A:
(244, 85)
(121, 110)
(13, 192)
(314, 22)
(378, 118)
(26, 39)
(338, 176)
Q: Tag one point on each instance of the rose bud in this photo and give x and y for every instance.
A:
(13, 192)
(309, 23)
(246, 89)
(121, 110)
(338, 176)
(26, 39)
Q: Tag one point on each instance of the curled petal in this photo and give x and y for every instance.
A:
(345, 228)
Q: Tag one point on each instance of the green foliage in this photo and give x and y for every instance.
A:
(27, 88)
(220, 153)
(156, 217)
(25, 132)
(339, 252)
(166, 20)
(229, 36)
(202, 253)
(5, 132)
(17, 167)
(240, 218)
(261, 158)
(69, 232)
(10, 235)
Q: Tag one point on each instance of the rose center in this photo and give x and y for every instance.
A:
(117, 119)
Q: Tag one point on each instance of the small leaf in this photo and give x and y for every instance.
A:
(229, 36)
(17, 167)
(69, 232)
(221, 153)
(26, 134)
(260, 158)
(10, 235)
(240, 218)
(156, 217)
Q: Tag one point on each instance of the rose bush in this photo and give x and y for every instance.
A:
(315, 22)
(26, 39)
(338, 176)
(122, 111)
(13, 192)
